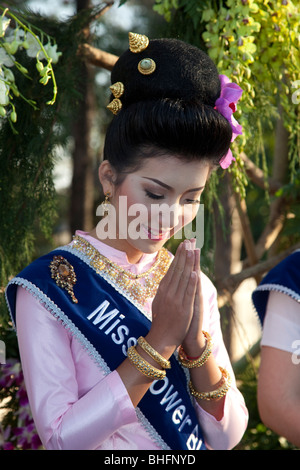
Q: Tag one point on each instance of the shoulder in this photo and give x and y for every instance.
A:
(284, 278)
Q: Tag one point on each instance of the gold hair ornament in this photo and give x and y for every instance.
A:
(137, 42)
(146, 66)
(117, 89)
(115, 106)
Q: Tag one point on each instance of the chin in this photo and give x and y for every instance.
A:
(149, 246)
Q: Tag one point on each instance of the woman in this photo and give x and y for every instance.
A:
(277, 301)
(99, 338)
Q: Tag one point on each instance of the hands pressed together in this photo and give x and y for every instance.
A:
(177, 309)
(177, 319)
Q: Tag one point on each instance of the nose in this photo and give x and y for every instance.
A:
(166, 216)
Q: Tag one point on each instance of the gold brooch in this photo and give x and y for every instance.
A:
(146, 66)
(138, 42)
(63, 274)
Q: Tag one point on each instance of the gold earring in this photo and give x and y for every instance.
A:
(106, 204)
(138, 42)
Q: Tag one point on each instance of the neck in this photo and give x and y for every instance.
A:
(133, 255)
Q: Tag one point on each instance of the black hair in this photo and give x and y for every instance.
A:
(170, 111)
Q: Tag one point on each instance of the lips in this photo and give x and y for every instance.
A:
(155, 234)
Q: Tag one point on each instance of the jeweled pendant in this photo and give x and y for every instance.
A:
(63, 274)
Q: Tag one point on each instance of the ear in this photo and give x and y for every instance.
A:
(107, 177)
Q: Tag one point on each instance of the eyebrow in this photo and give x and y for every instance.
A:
(166, 186)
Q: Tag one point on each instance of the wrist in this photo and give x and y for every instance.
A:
(194, 348)
(165, 348)
(189, 361)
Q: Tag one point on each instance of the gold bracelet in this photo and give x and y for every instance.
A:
(198, 362)
(215, 394)
(143, 366)
(162, 361)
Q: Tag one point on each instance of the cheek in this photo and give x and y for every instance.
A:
(129, 204)
(188, 214)
(126, 197)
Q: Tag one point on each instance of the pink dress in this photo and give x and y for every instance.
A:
(76, 406)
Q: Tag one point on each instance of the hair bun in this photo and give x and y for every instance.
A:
(182, 72)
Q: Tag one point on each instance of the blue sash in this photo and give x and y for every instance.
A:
(107, 323)
(285, 278)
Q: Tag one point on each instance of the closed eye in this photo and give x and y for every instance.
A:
(153, 196)
(192, 201)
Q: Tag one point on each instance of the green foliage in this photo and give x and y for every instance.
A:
(256, 44)
(28, 152)
(18, 35)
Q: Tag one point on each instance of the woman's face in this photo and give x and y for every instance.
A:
(154, 203)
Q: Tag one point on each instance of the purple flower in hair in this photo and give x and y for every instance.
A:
(226, 105)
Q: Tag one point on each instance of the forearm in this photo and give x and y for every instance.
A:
(279, 393)
(206, 378)
(136, 383)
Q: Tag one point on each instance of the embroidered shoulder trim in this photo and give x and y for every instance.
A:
(279, 288)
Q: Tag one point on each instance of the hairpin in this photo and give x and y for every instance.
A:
(146, 66)
(138, 42)
(115, 105)
(117, 90)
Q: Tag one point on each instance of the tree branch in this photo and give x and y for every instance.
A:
(273, 227)
(257, 176)
(97, 57)
(231, 283)
(246, 228)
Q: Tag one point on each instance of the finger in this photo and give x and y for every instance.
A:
(190, 292)
(180, 289)
(166, 281)
(183, 269)
(170, 280)
(198, 296)
(193, 243)
(197, 260)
